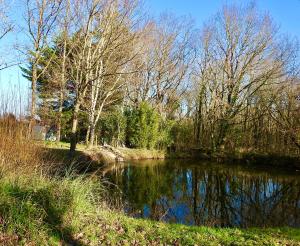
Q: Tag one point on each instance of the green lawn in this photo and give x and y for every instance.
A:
(118, 229)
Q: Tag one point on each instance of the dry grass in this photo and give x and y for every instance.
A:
(141, 154)
(17, 153)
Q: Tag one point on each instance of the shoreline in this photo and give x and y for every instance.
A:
(107, 155)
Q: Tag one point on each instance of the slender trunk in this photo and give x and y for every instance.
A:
(61, 99)
(198, 125)
(33, 98)
(92, 136)
(222, 133)
(87, 137)
(61, 96)
(199, 122)
(93, 125)
(73, 138)
(91, 129)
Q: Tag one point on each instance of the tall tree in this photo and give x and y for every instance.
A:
(164, 62)
(100, 26)
(113, 61)
(41, 17)
(240, 55)
(65, 26)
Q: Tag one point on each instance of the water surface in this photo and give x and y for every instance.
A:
(205, 193)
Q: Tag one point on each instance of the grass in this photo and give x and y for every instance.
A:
(63, 145)
(121, 230)
(142, 154)
(45, 210)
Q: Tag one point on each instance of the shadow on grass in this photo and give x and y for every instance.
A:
(78, 163)
(29, 212)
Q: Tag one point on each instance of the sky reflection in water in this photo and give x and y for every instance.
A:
(202, 193)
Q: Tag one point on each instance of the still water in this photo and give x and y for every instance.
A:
(205, 193)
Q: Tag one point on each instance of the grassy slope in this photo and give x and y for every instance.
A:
(45, 211)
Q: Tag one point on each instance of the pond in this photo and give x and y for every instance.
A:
(205, 193)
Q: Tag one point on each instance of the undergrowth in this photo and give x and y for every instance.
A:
(45, 210)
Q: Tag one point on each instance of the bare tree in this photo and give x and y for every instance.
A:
(5, 28)
(65, 26)
(241, 55)
(99, 41)
(114, 56)
(164, 62)
(285, 110)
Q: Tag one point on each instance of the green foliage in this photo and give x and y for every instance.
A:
(166, 138)
(142, 126)
(45, 83)
(182, 134)
(112, 127)
(146, 129)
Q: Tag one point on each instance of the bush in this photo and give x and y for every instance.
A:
(182, 134)
(165, 138)
(112, 128)
(142, 127)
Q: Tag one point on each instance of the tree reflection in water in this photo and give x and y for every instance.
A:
(208, 194)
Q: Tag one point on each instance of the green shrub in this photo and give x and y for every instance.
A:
(112, 127)
(182, 134)
(142, 126)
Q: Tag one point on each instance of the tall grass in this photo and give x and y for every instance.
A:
(17, 153)
(37, 206)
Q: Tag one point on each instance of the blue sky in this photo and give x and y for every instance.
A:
(285, 13)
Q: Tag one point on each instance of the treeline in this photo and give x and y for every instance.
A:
(105, 72)
(101, 71)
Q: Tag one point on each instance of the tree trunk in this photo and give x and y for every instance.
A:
(61, 100)
(73, 139)
(222, 133)
(92, 136)
(61, 96)
(87, 137)
(93, 124)
(33, 99)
